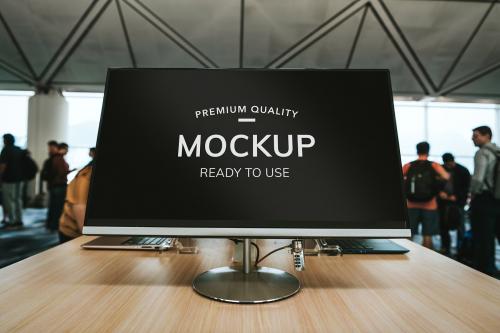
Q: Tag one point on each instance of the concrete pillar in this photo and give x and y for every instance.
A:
(47, 120)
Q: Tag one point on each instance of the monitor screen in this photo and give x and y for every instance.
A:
(264, 153)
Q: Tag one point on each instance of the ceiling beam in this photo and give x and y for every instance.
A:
(18, 46)
(242, 33)
(317, 34)
(26, 78)
(466, 45)
(67, 39)
(474, 1)
(356, 38)
(404, 47)
(79, 32)
(11, 81)
(125, 34)
(476, 75)
(171, 33)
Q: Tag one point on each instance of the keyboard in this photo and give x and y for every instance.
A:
(148, 241)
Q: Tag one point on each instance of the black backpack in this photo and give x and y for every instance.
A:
(29, 168)
(421, 181)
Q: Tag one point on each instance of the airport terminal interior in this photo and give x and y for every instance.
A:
(443, 57)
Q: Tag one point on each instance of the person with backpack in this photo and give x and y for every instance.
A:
(485, 200)
(11, 159)
(29, 171)
(451, 202)
(422, 184)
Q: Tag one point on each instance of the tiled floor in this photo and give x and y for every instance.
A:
(33, 238)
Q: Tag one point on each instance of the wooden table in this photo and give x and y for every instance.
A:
(69, 289)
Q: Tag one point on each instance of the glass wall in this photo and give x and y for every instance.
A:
(14, 115)
(84, 116)
(446, 126)
(411, 126)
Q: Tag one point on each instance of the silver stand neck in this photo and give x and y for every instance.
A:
(247, 256)
(247, 284)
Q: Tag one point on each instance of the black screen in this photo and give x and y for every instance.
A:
(178, 148)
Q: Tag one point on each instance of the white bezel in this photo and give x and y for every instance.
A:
(247, 232)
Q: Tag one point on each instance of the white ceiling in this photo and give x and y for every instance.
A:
(433, 48)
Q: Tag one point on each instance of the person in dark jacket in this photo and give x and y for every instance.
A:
(53, 149)
(57, 183)
(46, 174)
(4, 207)
(12, 178)
(451, 202)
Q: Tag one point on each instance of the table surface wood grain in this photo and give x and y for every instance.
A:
(70, 289)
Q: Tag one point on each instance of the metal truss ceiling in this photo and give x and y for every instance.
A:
(441, 49)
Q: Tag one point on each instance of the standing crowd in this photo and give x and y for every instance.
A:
(66, 202)
(437, 196)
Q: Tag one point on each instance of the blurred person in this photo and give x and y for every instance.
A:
(92, 153)
(422, 186)
(47, 173)
(52, 148)
(451, 202)
(485, 208)
(57, 184)
(11, 159)
(71, 221)
(29, 169)
(4, 206)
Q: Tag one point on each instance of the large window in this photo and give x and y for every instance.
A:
(410, 121)
(14, 115)
(84, 115)
(446, 126)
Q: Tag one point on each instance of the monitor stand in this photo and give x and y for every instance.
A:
(250, 285)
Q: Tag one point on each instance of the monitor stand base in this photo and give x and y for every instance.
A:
(249, 285)
(260, 285)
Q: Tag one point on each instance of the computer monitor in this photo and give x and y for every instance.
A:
(247, 153)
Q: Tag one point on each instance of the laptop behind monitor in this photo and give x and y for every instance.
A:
(130, 243)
